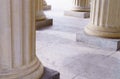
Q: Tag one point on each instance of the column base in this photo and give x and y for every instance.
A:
(81, 9)
(44, 23)
(77, 14)
(48, 7)
(104, 32)
(97, 42)
(50, 74)
(33, 70)
(40, 16)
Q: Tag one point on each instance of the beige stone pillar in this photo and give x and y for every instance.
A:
(46, 6)
(44, 3)
(80, 9)
(81, 5)
(41, 20)
(17, 41)
(105, 19)
(39, 10)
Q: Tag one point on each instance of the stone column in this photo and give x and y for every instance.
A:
(17, 41)
(44, 3)
(41, 20)
(105, 19)
(39, 10)
(81, 5)
(81, 9)
(46, 6)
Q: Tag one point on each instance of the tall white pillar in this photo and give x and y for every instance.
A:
(17, 41)
(105, 19)
(81, 5)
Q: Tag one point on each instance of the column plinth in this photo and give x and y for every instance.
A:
(105, 19)
(17, 41)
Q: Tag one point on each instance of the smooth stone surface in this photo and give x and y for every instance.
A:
(44, 23)
(48, 7)
(109, 44)
(77, 14)
(50, 74)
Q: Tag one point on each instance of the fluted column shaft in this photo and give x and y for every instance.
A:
(81, 5)
(44, 3)
(17, 40)
(105, 17)
(39, 10)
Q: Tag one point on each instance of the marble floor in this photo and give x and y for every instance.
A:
(57, 48)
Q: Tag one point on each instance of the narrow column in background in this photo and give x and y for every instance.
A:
(39, 10)
(41, 20)
(81, 8)
(46, 6)
(81, 5)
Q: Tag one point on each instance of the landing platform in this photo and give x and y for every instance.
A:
(110, 44)
(77, 14)
(48, 7)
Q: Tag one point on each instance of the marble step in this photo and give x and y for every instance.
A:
(104, 43)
